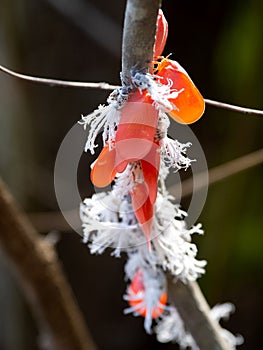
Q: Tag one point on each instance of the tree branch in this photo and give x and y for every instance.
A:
(138, 35)
(137, 50)
(194, 311)
(36, 262)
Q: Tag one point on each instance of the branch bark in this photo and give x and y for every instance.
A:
(36, 262)
(194, 311)
(137, 51)
(138, 35)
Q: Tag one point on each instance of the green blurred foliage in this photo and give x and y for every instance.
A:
(232, 216)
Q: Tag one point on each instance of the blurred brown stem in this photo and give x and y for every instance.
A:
(35, 261)
(47, 221)
(194, 311)
(218, 173)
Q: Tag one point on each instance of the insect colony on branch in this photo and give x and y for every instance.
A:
(137, 215)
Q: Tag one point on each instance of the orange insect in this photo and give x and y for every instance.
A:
(189, 104)
(136, 129)
(134, 142)
(134, 139)
(137, 298)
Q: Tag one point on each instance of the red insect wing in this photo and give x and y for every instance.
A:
(136, 287)
(161, 35)
(141, 203)
(142, 96)
(120, 167)
(103, 172)
(143, 209)
(158, 310)
(189, 102)
(137, 284)
(150, 168)
(133, 142)
(136, 130)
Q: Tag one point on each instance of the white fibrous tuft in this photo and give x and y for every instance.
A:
(177, 254)
(125, 181)
(161, 94)
(172, 249)
(223, 311)
(232, 340)
(109, 221)
(106, 118)
(174, 154)
(172, 245)
(108, 218)
(171, 328)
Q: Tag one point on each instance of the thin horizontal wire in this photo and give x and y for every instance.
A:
(107, 86)
(59, 83)
(233, 108)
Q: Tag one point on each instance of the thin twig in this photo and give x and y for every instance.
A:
(110, 87)
(233, 108)
(35, 260)
(59, 83)
(48, 221)
(219, 173)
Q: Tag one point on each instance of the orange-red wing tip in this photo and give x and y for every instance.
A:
(161, 35)
(103, 172)
(100, 178)
(189, 114)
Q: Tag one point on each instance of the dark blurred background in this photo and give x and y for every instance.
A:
(220, 44)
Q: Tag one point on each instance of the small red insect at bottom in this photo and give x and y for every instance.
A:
(137, 297)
